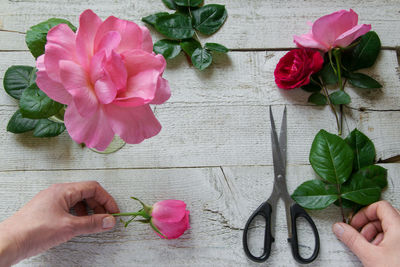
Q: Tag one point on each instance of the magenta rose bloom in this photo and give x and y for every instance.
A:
(108, 75)
(170, 217)
(338, 29)
(295, 68)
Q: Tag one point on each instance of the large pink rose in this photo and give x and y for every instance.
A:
(108, 75)
(170, 217)
(338, 29)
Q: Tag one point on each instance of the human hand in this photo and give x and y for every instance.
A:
(378, 241)
(46, 221)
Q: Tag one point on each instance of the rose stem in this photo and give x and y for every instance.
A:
(336, 53)
(331, 105)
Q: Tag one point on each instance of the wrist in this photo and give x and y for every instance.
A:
(9, 252)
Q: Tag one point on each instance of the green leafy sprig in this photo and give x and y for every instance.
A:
(341, 66)
(37, 112)
(348, 176)
(181, 29)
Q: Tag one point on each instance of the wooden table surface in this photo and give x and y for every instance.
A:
(214, 150)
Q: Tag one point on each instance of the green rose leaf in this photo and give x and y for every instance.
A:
(374, 173)
(313, 194)
(365, 53)
(17, 79)
(191, 3)
(201, 58)
(168, 48)
(216, 47)
(361, 191)
(35, 104)
(36, 36)
(19, 124)
(331, 157)
(339, 98)
(328, 75)
(311, 87)
(364, 81)
(209, 18)
(190, 45)
(48, 128)
(175, 26)
(318, 99)
(363, 149)
(153, 18)
(170, 4)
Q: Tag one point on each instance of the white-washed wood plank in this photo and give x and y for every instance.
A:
(248, 78)
(199, 135)
(256, 24)
(220, 204)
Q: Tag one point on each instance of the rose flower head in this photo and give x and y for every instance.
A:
(168, 218)
(107, 75)
(338, 29)
(295, 68)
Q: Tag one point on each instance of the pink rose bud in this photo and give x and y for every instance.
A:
(338, 29)
(170, 217)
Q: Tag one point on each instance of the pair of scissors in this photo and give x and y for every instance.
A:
(293, 210)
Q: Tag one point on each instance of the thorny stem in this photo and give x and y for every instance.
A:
(330, 104)
(139, 213)
(195, 33)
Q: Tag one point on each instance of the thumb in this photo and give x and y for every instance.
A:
(353, 240)
(93, 223)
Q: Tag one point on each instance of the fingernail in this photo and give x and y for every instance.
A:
(338, 230)
(108, 222)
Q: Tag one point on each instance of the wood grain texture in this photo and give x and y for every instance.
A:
(199, 135)
(240, 78)
(220, 203)
(256, 24)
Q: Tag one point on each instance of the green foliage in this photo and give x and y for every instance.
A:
(363, 149)
(151, 19)
(318, 99)
(181, 27)
(35, 104)
(348, 175)
(364, 54)
(201, 58)
(188, 3)
(311, 87)
(328, 74)
(364, 81)
(36, 36)
(48, 128)
(168, 48)
(17, 79)
(175, 26)
(19, 124)
(339, 98)
(209, 18)
(216, 47)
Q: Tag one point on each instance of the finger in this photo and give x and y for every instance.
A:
(92, 223)
(75, 192)
(370, 230)
(95, 206)
(80, 209)
(378, 239)
(381, 210)
(353, 240)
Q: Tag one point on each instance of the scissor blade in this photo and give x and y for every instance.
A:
(279, 166)
(283, 137)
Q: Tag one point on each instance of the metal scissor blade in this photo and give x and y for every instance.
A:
(279, 161)
(283, 137)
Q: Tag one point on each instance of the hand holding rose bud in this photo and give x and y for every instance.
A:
(328, 56)
(168, 218)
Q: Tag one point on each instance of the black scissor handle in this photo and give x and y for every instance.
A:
(265, 211)
(295, 212)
